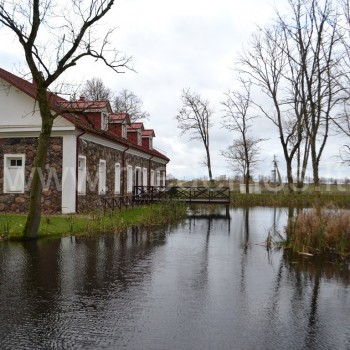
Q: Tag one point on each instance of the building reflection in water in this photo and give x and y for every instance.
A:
(207, 281)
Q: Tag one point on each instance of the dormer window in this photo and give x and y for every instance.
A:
(104, 121)
(147, 138)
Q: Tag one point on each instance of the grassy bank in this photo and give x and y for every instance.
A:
(306, 200)
(11, 226)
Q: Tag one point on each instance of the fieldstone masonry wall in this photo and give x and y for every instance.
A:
(52, 178)
(51, 197)
(94, 153)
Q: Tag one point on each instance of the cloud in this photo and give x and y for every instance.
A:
(175, 45)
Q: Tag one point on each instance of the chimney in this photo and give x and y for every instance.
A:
(82, 98)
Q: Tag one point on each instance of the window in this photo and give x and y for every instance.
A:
(137, 181)
(102, 177)
(14, 173)
(104, 121)
(144, 177)
(82, 175)
(129, 179)
(152, 177)
(117, 179)
(163, 178)
(150, 143)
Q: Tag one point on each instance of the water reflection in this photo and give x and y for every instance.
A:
(209, 283)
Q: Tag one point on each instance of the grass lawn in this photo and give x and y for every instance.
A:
(11, 225)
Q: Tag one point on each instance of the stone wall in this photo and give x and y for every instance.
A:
(51, 197)
(94, 153)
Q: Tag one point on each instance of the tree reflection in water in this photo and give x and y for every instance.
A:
(206, 283)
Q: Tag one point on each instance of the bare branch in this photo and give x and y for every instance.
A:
(194, 118)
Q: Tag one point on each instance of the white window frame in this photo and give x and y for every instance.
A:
(152, 178)
(102, 172)
(104, 121)
(18, 181)
(151, 143)
(129, 179)
(144, 177)
(82, 175)
(117, 178)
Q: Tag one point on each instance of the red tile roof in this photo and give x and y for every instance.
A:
(148, 132)
(85, 105)
(24, 85)
(119, 117)
(135, 126)
(79, 119)
(29, 88)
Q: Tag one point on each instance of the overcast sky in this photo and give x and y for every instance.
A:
(184, 44)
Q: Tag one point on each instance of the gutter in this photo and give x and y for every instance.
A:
(149, 171)
(77, 171)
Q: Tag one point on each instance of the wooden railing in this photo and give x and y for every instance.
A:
(186, 194)
(202, 194)
(153, 194)
(117, 202)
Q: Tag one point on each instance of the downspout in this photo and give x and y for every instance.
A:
(149, 171)
(124, 172)
(77, 171)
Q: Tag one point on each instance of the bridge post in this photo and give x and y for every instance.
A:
(227, 210)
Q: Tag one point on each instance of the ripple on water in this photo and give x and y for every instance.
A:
(205, 285)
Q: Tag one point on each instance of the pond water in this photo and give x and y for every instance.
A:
(207, 283)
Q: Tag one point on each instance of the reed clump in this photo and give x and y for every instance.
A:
(314, 231)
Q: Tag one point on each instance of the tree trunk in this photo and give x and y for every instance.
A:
(303, 167)
(315, 171)
(209, 165)
(34, 215)
(247, 177)
(290, 176)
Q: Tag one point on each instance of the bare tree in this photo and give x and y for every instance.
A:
(243, 153)
(127, 102)
(314, 46)
(194, 119)
(265, 62)
(54, 37)
(296, 63)
(243, 157)
(94, 90)
(342, 120)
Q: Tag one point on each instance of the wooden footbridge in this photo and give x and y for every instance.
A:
(156, 194)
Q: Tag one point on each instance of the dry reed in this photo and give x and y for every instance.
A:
(320, 231)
